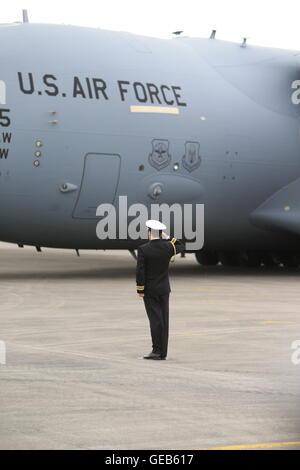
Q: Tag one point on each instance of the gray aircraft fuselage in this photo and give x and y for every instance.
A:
(78, 128)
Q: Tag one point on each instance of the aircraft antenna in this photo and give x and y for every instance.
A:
(213, 34)
(25, 16)
(244, 43)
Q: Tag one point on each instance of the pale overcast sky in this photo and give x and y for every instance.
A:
(264, 22)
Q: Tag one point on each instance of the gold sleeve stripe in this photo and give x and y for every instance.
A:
(174, 248)
(140, 287)
(173, 240)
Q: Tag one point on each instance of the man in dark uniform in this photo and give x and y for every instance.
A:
(152, 283)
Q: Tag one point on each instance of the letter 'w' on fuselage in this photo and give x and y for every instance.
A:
(2, 92)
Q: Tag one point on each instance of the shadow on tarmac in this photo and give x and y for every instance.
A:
(128, 272)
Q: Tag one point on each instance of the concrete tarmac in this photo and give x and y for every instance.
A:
(73, 331)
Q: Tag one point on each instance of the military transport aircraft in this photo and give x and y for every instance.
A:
(88, 115)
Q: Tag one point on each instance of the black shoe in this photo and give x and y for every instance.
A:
(152, 355)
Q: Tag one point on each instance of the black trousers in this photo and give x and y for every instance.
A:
(157, 308)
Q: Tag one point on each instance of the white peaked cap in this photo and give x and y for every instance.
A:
(155, 225)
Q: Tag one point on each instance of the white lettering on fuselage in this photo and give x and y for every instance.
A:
(296, 94)
(2, 92)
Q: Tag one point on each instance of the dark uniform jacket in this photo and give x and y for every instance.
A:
(152, 276)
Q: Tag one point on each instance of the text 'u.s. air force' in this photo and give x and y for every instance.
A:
(95, 88)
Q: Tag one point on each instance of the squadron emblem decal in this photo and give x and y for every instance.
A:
(191, 159)
(160, 157)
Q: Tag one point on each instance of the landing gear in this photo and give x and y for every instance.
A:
(288, 260)
(249, 259)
